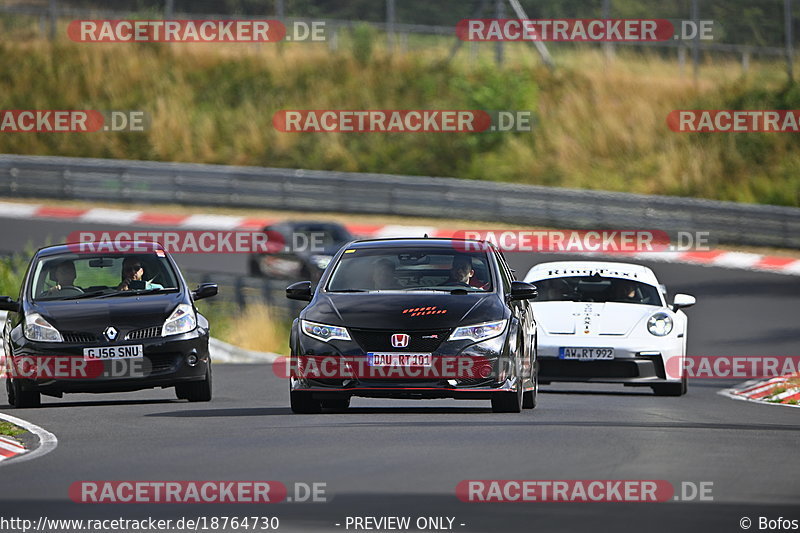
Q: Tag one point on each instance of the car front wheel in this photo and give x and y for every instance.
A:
(196, 391)
(304, 403)
(21, 399)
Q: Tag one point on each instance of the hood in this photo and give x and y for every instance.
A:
(408, 311)
(93, 316)
(590, 318)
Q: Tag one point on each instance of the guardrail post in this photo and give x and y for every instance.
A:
(390, 14)
(499, 13)
(787, 7)
(238, 292)
(695, 41)
(53, 20)
(746, 60)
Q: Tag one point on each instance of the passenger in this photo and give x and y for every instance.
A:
(383, 275)
(132, 270)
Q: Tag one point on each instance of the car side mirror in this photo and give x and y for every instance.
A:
(205, 290)
(299, 291)
(683, 300)
(521, 290)
(9, 304)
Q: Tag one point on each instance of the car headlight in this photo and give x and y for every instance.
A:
(182, 320)
(321, 261)
(659, 324)
(479, 332)
(324, 332)
(39, 329)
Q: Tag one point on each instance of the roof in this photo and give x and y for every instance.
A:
(557, 269)
(142, 247)
(463, 245)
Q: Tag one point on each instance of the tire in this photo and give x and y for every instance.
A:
(303, 403)
(19, 398)
(507, 402)
(196, 391)
(254, 269)
(336, 403)
(530, 398)
(671, 389)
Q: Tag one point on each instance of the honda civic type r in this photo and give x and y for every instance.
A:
(610, 323)
(414, 318)
(105, 322)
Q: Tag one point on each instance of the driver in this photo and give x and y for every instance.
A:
(626, 292)
(64, 275)
(461, 271)
(132, 270)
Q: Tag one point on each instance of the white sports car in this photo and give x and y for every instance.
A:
(609, 323)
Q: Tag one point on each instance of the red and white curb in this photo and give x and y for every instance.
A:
(783, 390)
(47, 442)
(10, 448)
(713, 258)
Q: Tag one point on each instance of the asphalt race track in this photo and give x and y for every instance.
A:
(405, 458)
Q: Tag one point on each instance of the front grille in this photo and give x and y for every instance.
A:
(379, 340)
(587, 369)
(144, 333)
(79, 337)
(162, 362)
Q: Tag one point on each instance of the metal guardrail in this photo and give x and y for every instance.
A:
(246, 290)
(318, 191)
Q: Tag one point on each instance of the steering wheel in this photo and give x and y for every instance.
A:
(70, 289)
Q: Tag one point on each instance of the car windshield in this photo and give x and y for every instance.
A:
(596, 289)
(79, 275)
(408, 269)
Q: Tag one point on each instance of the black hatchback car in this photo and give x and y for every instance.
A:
(105, 321)
(307, 248)
(414, 318)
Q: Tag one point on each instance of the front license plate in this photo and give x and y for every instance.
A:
(586, 354)
(399, 359)
(106, 353)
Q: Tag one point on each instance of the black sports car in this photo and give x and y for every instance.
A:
(91, 321)
(305, 249)
(414, 318)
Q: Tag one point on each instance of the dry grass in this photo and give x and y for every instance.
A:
(600, 125)
(259, 328)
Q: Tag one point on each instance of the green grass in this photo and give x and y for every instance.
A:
(10, 430)
(598, 125)
(12, 270)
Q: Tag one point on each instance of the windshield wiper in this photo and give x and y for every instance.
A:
(350, 290)
(92, 294)
(457, 290)
(138, 292)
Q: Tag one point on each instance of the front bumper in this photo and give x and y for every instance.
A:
(426, 390)
(459, 369)
(635, 363)
(57, 368)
